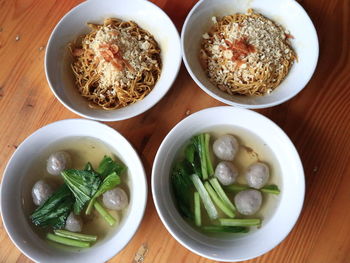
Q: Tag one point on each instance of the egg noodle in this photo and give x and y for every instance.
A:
(246, 54)
(116, 64)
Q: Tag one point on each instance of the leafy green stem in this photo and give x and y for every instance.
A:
(104, 213)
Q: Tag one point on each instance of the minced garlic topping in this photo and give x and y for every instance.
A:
(236, 50)
(132, 51)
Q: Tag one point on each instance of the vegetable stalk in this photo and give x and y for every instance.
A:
(208, 203)
(207, 155)
(218, 189)
(76, 236)
(197, 209)
(226, 229)
(239, 222)
(104, 213)
(218, 201)
(269, 189)
(203, 158)
(67, 241)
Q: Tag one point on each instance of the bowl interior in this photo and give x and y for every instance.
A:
(19, 228)
(273, 230)
(288, 13)
(74, 24)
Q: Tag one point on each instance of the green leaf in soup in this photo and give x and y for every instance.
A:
(110, 182)
(182, 184)
(271, 189)
(190, 152)
(193, 158)
(83, 184)
(108, 166)
(88, 167)
(55, 210)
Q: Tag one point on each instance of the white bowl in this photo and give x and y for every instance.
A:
(18, 226)
(74, 23)
(288, 13)
(292, 185)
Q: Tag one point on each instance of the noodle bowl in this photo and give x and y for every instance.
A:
(116, 64)
(246, 54)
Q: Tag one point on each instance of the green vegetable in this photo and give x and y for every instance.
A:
(104, 213)
(226, 229)
(110, 182)
(207, 154)
(202, 154)
(76, 236)
(193, 159)
(88, 167)
(197, 154)
(208, 203)
(239, 222)
(67, 241)
(190, 153)
(182, 184)
(108, 166)
(218, 189)
(218, 201)
(197, 209)
(236, 188)
(269, 189)
(55, 210)
(83, 185)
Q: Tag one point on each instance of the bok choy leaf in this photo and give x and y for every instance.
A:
(108, 166)
(181, 184)
(55, 210)
(110, 182)
(83, 184)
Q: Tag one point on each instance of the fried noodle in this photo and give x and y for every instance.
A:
(246, 54)
(116, 64)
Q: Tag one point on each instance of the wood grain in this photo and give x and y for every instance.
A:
(317, 121)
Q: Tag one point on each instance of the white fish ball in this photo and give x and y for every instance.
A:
(115, 199)
(74, 223)
(248, 202)
(257, 175)
(41, 191)
(57, 162)
(226, 147)
(226, 172)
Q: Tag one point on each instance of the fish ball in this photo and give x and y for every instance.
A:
(74, 223)
(226, 173)
(248, 202)
(57, 162)
(41, 191)
(115, 199)
(226, 147)
(257, 175)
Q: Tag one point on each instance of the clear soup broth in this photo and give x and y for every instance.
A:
(251, 150)
(81, 150)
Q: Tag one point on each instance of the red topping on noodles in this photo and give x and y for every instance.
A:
(240, 48)
(112, 53)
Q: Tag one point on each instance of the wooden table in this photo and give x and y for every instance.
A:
(317, 121)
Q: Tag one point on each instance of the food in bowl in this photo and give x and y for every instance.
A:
(221, 185)
(246, 54)
(118, 63)
(79, 193)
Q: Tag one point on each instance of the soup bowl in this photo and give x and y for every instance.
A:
(288, 13)
(291, 183)
(74, 24)
(13, 189)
